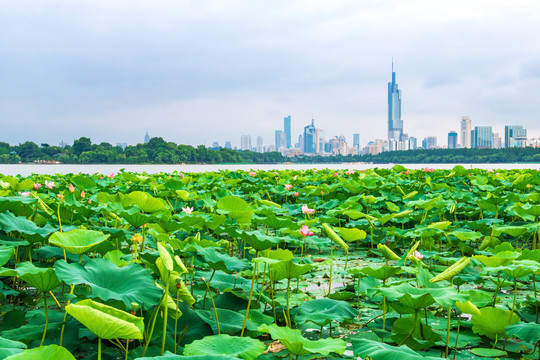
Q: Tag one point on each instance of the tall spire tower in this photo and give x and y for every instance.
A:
(395, 124)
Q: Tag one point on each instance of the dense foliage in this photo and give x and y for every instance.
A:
(381, 264)
(158, 151)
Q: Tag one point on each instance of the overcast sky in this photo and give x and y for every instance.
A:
(194, 72)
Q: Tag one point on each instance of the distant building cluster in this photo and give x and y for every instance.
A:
(313, 141)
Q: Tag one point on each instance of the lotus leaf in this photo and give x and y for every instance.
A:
(219, 261)
(43, 279)
(51, 352)
(484, 352)
(259, 241)
(9, 347)
(323, 311)
(231, 322)
(242, 347)
(105, 321)
(5, 254)
(20, 224)
(387, 252)
(144, 201)
(377, 350)
(492, 321)
(286, 269)
(78, 241)
(352, 234)
(129, 284)
(293, 340)
(382, 272)
(529, 332)
(236, 208)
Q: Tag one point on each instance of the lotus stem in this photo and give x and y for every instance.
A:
(176, 319)
(99, 349)
(457, 336)
(288, 308)
(358, 299)
(331, 267)
(498, 287)
(127, 349)
(46, 318)
(249, 300)
(58, 214)
(149, 335)
(535, 296)
(214, 307)
(208, 288)
(511, 313)
(165, 313)
(55, 300)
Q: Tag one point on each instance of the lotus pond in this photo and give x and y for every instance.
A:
(377, 264)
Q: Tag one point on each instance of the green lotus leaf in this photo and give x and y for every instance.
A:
(10, 347)
(492, 321)
(105, 321)
(286, 269)
(335, 237)
(496, 261)
(84, 182)
(377, 350)
(221, 261)
(468, 308)
(231, 322)
(20, 224)
(117, 258)
(323, 311)
(51, 352)
(529, 332)
(242, 347)
(129, 284)
(259, 241)
(514, 231)
(441, 225)
(533, 210)
(5, 254)
(485, 352)
(165, 257)
(381, 272)
(144, 201)
(135, 218)
(351, 234)
(443, 296)
(422, 337)
(387, 252)
(276, 222)
(170, 356)
(465, 235)
(43, 279)
(293, 340)
(78, 241)
(519, 269)
(236, 208)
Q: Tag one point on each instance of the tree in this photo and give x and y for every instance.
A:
(81, 145)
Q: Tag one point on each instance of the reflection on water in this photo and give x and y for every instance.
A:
(28, 169)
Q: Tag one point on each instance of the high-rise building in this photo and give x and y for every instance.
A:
(287, 131)
(320, 134)
(146, 138)
(260, 148)
(310, 135)
(452, 140)
(245, 142)
(356, 142)
(482, 137)
(515, 136)
(429, 142)
(228, 145)
(278, 142)
(395, 124)
(413, 143)
(497, 141)
(465, 132)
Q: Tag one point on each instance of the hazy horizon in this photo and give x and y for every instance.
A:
(194, 73)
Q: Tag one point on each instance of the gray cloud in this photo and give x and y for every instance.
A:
(195, 72)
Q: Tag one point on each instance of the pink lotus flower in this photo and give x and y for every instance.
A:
(24, 193)
(83, 194)
(252, 173)
(350, 172)
(111, 175)
(37, 186)
(335, 174)
(315, 171)
(417, 255)
(322, 193)
(49, 184)
(181, 176)
(71, 188)
(296, 194)
(187, 210)
(305, 231)
(307, 210)
(288, 186)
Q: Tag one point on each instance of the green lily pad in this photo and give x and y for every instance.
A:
(529, 332)
(10, 347)
(323, 311)
(484, 352)
(43, 279)
(492, 321)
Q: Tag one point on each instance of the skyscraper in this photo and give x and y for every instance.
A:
(482, 137)
(465, 132)
(452, 140)
(395, 124)
(281, 140)
(245, 142)
(310, 134)
(260, 144)
(356, 142)
(515, 136)
(146, 138)
(287, 130)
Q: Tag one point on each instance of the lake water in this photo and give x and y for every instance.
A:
(28, 169)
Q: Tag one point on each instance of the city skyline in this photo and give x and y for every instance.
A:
(196, 73)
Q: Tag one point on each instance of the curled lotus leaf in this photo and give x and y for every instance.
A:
(51, 352)
(387, 252)
(106, 321)
(78, 241)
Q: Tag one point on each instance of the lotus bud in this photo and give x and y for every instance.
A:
(71, 188)
(134, 306)
(203, 279)
(61, 197)
(83, 194)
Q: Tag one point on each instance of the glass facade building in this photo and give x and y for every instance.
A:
(482, 137)
(310, 134)
(395, 124)
(287, 130)
(452, 140)
(515, 136)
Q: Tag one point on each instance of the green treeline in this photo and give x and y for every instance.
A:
(159, 151)
(156, 151)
